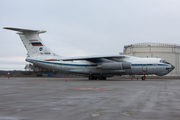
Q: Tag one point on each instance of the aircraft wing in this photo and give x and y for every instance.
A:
(97, 59)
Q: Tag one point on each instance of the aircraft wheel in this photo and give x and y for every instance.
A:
(92, 78)
(101, 78)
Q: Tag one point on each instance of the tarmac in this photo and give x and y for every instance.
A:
(35, 98)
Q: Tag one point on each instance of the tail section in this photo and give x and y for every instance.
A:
(32, 41)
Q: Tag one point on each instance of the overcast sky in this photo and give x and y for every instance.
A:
(86, 27)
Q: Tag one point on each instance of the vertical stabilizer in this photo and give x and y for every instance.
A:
(32, 41)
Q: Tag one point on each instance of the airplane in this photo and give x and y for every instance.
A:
(94, 67)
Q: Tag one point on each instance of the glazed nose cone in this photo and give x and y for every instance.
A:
(172, 67)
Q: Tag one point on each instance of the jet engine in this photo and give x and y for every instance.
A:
(114, 66)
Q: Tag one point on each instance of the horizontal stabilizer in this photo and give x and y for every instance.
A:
(24, 30)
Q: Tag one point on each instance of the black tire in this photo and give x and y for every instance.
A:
(101, 78)
(92, 78)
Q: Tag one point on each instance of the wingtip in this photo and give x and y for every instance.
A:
(6, 27)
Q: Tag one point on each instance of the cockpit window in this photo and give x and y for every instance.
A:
(164, 61)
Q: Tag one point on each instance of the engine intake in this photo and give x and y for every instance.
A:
(114, 66)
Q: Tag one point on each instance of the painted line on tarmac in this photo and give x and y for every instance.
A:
(89, 89)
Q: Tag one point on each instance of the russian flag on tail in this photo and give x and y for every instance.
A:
(35, 43)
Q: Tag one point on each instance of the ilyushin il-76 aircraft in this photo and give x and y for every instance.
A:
(93, 67)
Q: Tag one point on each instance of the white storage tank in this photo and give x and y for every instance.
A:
(169, 52)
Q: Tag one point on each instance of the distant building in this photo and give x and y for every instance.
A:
(169, 52)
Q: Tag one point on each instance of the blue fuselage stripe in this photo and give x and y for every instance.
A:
(149, 65)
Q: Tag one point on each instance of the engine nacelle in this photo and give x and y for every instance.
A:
(114, 66)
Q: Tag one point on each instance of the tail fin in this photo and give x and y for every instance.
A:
(32, 41)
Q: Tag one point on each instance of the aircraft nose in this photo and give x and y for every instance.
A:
(172, 67)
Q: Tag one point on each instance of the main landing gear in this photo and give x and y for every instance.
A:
(95, 78)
